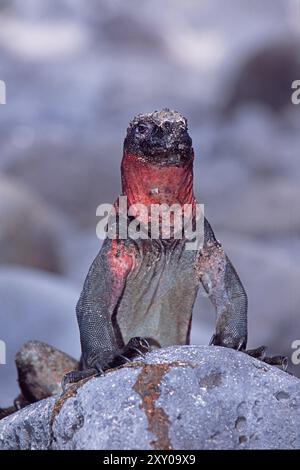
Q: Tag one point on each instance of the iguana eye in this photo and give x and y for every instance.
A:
(142, 128)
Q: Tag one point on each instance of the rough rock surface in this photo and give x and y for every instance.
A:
(184, 397)
(29, 428)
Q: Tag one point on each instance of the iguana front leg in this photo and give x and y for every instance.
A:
(228, 296)
(101, 342)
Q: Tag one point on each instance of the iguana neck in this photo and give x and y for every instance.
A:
(145, 183)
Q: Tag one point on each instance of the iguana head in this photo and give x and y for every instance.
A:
(160, 138)
(157, 165)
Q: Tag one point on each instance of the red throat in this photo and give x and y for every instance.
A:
(145, 183)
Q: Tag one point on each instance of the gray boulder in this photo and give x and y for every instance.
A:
(184, 397)
(270, 70)
(30, 231)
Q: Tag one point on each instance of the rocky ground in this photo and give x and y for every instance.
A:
(178, 398)
(75, 75)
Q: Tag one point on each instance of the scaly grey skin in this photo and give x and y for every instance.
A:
(140, 293)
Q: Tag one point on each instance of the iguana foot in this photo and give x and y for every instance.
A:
(136, 346)
(76, 376)
(259, 353)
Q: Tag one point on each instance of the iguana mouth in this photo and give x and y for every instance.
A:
(165, 158)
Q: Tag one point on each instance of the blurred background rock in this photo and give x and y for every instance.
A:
(76, 72)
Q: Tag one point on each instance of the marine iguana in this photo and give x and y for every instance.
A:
(140, 292)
